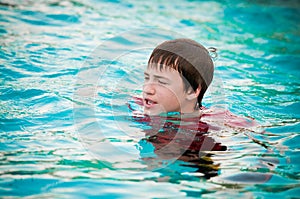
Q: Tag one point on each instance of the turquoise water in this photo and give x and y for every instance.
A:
(69, 69)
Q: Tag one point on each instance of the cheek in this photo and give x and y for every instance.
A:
(168, 95)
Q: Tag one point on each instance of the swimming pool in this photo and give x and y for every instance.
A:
(69, 70)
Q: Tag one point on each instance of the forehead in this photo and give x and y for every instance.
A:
(166, 72)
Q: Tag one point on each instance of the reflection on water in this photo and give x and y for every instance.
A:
(188, 142)
(66, 129)
(178, 139)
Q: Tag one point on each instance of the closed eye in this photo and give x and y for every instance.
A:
(162, 82)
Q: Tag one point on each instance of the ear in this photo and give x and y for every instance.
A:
(191, 94)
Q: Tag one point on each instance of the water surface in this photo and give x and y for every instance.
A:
(69, 68)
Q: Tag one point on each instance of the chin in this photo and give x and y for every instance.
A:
(152, 112)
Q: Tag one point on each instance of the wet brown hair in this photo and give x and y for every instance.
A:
(190, 59)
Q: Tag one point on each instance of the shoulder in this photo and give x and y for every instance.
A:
(227, 118)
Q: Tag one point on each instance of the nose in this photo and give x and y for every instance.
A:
(149, 88)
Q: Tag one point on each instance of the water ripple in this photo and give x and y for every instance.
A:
(56, 102)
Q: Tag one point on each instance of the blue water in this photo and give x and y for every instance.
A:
(69, 69)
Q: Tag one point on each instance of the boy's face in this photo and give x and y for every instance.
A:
(163, 91)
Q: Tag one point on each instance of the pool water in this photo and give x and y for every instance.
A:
(70, 124)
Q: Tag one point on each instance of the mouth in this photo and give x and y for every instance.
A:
(149, 103)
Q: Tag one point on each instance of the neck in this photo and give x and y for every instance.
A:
(190, 107)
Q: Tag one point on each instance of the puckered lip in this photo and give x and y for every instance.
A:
(148, 102)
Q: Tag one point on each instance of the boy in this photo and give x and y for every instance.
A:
(178, 74)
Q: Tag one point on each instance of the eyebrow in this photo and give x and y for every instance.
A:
(157, 76)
